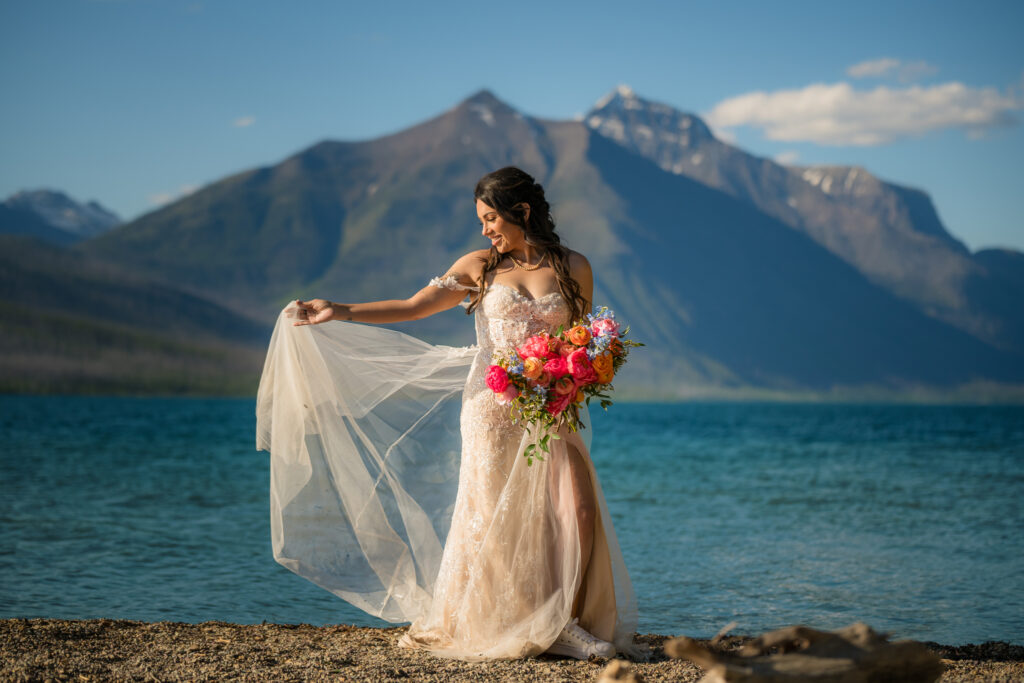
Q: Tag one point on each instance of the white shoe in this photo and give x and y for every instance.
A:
(573, 641)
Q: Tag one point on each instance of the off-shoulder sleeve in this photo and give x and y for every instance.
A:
(450, 282)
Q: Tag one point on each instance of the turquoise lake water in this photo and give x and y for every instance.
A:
(909, 518)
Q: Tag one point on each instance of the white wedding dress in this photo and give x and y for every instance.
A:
(371, 499)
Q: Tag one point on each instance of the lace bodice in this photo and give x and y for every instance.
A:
(506, 318)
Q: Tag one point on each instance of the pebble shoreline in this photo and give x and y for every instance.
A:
(114, 649)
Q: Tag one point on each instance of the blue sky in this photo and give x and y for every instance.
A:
(135, 102)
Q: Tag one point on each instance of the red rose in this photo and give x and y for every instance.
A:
(556, 367)
(558, 402)
(580, 367)
(497, 379)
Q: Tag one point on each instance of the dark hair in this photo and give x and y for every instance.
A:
(505, 190)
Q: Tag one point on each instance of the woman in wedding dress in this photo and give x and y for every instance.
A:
(499, 559)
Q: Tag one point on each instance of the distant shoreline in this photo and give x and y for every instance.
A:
(90, 649)
(1009, 397)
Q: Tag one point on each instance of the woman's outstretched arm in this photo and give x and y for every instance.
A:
(424, 303)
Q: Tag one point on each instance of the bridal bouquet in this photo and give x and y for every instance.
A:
(544, 380)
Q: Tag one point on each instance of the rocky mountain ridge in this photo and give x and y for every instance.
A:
(55, 217)
(890, 233)
(731, 299)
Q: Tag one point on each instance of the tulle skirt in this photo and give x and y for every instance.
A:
(392, 488)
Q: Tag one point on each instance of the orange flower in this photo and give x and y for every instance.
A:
(579, 396)
(579, 335)
(616, 347)
(533, 367)
(603, 363)
(605, 377)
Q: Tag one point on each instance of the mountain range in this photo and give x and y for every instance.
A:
(890, 233)
(52, 216)
(746, 278)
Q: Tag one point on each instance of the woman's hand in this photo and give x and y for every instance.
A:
(426, 302)
(315, 311)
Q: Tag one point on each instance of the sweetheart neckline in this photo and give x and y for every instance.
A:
(523, 296)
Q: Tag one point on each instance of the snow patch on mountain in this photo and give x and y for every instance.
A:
(64, 213)
(485, 113)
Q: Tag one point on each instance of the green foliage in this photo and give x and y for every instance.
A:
(543, 443)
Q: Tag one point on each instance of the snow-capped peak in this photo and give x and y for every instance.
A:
(621, 92)
(64, 213)
(622, 115)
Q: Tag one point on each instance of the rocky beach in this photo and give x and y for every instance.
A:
(109, 649)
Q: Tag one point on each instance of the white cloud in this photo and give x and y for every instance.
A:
(724, 134)
(788, 157)
(873, 67)
(837, 114)
(905, 72)
(161, 198)
(243, 121)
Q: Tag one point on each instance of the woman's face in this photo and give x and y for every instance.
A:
(504, 236)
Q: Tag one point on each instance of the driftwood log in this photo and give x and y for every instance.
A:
(855, 654)
(619, 671)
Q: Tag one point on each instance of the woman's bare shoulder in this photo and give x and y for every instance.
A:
(579, 265)
(469, 266)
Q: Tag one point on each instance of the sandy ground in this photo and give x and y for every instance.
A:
(108, 649)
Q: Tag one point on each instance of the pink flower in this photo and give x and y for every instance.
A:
(534, 347)
(580, 367)
(564, 385)
(565, 349)
(497, 379)
(558, 402)
(510, 394)
(557, 367)
(605, 326)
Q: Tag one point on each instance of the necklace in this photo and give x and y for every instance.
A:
(520, 266)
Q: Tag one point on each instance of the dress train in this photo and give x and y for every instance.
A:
(379, 499)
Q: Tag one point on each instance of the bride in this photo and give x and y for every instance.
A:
(487, 556)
